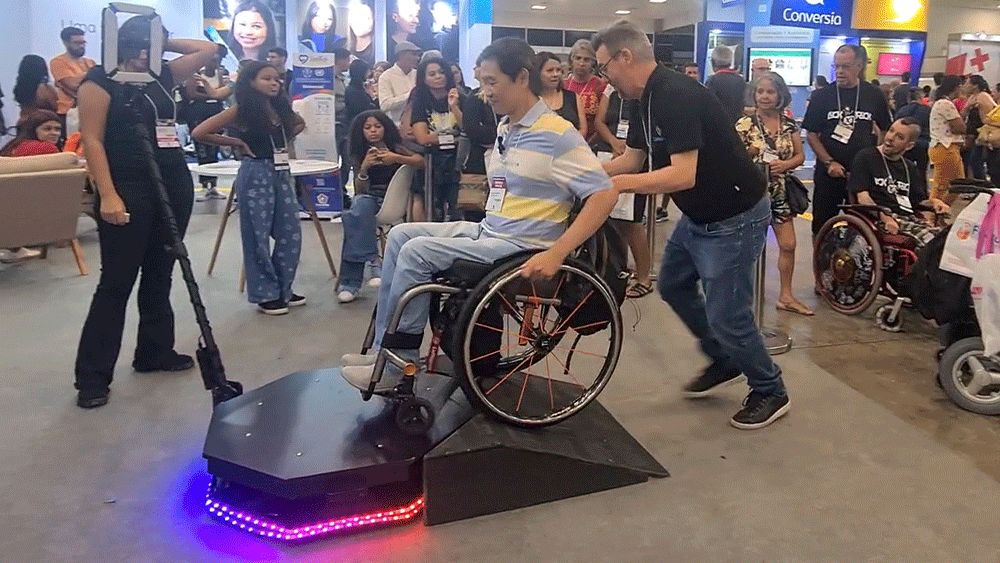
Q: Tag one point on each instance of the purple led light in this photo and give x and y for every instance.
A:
(255, 524)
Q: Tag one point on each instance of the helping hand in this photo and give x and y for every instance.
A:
(113, 211)
(543, 265)
(836, 170)
(453, 97)
(940, 207)
(618, 147)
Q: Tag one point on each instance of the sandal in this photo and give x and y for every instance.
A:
(638, 290)
(794, 307)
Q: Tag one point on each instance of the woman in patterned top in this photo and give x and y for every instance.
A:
(772, 137)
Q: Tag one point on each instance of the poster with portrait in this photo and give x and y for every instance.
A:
(325, 25)
(429, 24)
(250, 28)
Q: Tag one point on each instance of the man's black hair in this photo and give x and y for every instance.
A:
(513, 55)
(70, 32)
(280, 51)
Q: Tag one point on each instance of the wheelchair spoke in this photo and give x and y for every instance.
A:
(570, 316)
(493, 328)
(512, 372)
(578, 351)
(492, 353)
(552, 399)
(511, 310)
(566, 369)
(578, 328)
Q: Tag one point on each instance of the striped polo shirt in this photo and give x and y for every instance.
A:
(547, 165)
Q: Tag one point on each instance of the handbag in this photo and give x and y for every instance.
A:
(989, 133)
(796, 195)
(959, 255)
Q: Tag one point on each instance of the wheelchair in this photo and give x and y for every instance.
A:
(855, 261)
(528, 353)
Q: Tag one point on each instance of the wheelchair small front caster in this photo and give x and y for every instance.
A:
(415, 416)
(884, 320)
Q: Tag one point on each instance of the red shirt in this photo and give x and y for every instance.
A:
(590, 93)
(34, 148)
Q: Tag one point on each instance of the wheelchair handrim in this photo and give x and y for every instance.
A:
(611, 361)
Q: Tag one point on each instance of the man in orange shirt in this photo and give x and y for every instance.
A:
(69, 70)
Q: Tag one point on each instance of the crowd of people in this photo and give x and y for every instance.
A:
(541, 133)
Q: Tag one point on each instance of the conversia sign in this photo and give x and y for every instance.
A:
(819, 14)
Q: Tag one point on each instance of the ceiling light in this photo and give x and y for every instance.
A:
(664, 1)
(539, 7)
(716, 31)
(623, 12)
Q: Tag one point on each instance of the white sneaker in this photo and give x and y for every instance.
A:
(375, 282)
(346, 296)
(19, 255)
(360, 377)
(358, 359)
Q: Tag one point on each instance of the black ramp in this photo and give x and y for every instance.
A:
(487, 467)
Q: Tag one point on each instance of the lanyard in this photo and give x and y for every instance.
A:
(765, 134)
(156, 112)
(647, 131)
(857, 100)
(621, 109)
(889, 172)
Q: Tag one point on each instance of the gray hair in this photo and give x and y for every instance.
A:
(431, 54)
(624, 34)
(583, 47)
(784, 96)
(722, 57)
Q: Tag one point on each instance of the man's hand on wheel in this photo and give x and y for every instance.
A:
(543, 265)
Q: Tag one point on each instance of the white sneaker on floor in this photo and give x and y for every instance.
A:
(375, 282)
(358, 359)
(360, 377)
(346, 296)
(19, 255)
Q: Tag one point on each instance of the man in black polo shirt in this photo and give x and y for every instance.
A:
(698, 158)
(840, 120)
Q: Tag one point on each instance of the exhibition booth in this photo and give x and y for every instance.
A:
(800, 37)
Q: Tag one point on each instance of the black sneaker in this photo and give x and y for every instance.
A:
(715, 377)
(759, 410)
(296, 300)
(92, 399)
(178, 362)
(276, 307)
(662, 215)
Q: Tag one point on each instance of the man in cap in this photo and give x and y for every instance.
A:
(395, 84)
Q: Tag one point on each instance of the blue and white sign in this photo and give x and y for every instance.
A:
(728, 3)
(312, 91)
(818, 14)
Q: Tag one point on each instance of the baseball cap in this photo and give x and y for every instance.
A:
(404, 46)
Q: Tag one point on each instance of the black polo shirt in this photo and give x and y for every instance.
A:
(679, 115)
(824, 113)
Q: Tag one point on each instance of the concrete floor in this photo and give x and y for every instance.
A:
(872, 464)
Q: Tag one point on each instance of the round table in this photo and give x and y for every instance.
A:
(299, 167)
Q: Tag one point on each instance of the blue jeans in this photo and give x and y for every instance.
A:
(268, 209)
(417, 251)
(360, 240)
(722, 256)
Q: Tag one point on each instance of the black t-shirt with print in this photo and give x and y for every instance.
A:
(890, 183)
(435, 113)
(686, 116)
(824, 114)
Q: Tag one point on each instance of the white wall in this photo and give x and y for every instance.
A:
(14, 30)
(944, 20)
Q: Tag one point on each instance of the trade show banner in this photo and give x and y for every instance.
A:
(250, 28)
(817, 14)
(429, 24)
(312, 92)
(974, 57)
(896, 15)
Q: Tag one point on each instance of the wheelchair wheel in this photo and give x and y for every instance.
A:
(415, 416)
(847, 262)
(532, 383)
(970, 377)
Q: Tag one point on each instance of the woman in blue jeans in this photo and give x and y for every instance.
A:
(264, 124)
(377, 152)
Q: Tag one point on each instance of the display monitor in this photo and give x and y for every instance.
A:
(893, 64)
(795, 66)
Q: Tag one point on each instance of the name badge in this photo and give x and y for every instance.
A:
(622, 132)
(498, 191)
(446, 141)
(770, 157)
(281, 160)
(842, 133)
(166, 135)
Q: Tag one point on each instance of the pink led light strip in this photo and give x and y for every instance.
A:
(262, 527)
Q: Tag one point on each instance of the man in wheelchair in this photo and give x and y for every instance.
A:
(540, 166)
(881, 177)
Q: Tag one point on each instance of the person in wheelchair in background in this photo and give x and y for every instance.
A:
(880, 176)
(540, 166)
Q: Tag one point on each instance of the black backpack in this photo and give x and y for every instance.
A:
(939, 295)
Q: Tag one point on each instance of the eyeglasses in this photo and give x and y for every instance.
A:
(603, 69)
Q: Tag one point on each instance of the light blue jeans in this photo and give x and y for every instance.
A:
(268, 209)
(415, 252)
(360, 240)
(720, 258)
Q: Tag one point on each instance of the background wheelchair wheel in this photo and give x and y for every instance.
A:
(847, 263)
(970, 377)
(532, 383)
(882, 315)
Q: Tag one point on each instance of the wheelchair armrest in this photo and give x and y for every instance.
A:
(870, 210)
